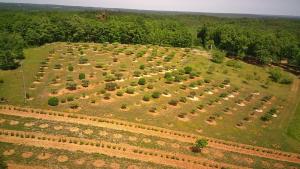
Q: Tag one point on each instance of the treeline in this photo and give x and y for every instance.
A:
(38, 28)
(262, 46)
(265, 40)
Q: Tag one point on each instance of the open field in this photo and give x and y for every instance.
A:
(107, 113)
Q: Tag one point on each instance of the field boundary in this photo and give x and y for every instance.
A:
(149, 130)
(111, 149)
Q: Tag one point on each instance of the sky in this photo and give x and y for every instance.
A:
(269, 7)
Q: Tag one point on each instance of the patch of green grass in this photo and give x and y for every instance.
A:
(294, 125)
(12, 88)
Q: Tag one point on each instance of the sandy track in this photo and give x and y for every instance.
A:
(150, 131)
(18, 166)
(110, 149)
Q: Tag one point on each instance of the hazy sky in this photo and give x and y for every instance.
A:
(275, 7)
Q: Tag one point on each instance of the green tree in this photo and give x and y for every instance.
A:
(199, 145)
(11, 50)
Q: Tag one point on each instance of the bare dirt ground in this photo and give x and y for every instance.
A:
(18, 166)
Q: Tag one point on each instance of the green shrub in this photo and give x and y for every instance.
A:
(111, 86)
(74, 106)
(218, 57)
(71, 86)
(268, 115)
(1, 81)
(286, 80)
(188, 70)
(234, 64)
(120, 93)
(222, 95)
(156, 95)
(85, 83)
(142, 81)
(83, 60)
(142, 67)
(137, 73)
(81, 76)
(199, 145)
(70, 68)
(130, 90)
(70, 98)
(53, 101)
(183, 99)
(146, 98)
(173, 102)
(275, 74)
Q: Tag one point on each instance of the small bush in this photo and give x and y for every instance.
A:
(275, 74)
(142, 81)
(142, 67)
(130, 90)
(156, 95)
(83, 60)
(85, 83)
(120, 93)
(110, 86)
(1, 81)
(286, 80)
(70, 68)
(234, 64)
(218, 57)
(183, 99)
(74, 106)
(173, 102)
(146, 98)
(53, 101)
(81, 76)
(188, 70)
(71, 86)
(124, 106)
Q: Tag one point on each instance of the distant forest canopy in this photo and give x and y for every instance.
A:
(266, 40)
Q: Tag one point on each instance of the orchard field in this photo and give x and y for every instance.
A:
(89, 105)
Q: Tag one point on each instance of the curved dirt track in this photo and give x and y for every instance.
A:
(149, 130)
(110, 149)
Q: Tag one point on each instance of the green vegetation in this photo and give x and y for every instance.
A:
(11, 50)
(264, 46)
(199, 145)
(218, 57)
(53, 101)
(3, 164)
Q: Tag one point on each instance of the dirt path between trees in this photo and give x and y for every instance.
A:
(111, 149)
(150, 131)
(18, 166)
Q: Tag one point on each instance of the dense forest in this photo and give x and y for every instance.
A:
(265, 40)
